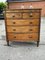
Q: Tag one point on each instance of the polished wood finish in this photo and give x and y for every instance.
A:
(13, 15)
(23, 37)
(22, 29)
(31, 15)
(23, 25)
(16, 22)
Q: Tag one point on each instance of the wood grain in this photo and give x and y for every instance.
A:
(22, 29)
(22, 22)
(23, 37)
(30, 15)
(13, 15)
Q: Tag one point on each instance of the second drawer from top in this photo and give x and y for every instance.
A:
(22, 22)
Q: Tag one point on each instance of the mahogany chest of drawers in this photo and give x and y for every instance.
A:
(23, 25)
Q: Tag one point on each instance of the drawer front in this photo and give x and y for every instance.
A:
(23, 37)
(31, 15)
(13, 15)
(22, 22)
(22, 29)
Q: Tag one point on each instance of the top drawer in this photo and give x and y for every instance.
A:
(31, 15)
(22, 15)
(13, 15)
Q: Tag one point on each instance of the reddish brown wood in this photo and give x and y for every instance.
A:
(24, 29)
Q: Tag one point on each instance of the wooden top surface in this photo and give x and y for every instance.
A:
(25, 9)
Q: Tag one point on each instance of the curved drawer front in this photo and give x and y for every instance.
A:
(22, 22)
(13, 15)
(22, 29)
(23, 37)
(31, 15)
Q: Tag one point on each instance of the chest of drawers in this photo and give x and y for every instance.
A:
(23, 25)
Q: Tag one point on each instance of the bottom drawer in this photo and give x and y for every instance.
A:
(23, 37)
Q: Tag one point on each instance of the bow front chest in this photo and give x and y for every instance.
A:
(23, 25)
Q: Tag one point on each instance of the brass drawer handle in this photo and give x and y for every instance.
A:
(30, 30)
(14, 22)
(14, 29)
